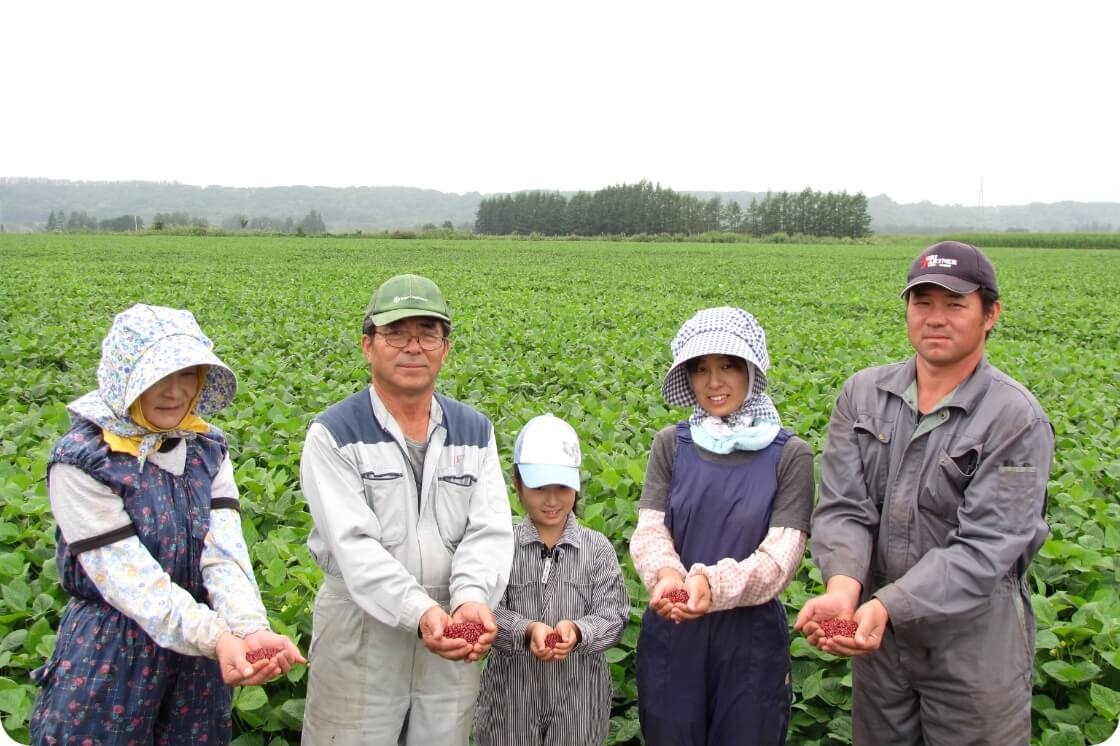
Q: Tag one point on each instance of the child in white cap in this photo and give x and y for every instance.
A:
(547, 679)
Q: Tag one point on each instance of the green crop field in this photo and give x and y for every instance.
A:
(581, 330)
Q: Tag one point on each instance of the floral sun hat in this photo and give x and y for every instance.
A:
(145, 344)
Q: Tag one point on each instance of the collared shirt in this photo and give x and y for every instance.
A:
(929, 511)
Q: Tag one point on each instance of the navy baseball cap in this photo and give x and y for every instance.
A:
(959, 267)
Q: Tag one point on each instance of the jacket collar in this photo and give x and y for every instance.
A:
(528, 533)
(896, 379)
(391, 426)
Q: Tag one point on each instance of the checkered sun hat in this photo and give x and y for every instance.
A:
(715, 331)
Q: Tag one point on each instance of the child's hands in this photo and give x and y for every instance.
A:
(538, 632)
(569, 638)
(286, 653)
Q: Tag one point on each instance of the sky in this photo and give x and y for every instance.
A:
(972, 103)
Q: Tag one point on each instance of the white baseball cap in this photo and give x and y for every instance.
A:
(547, 452)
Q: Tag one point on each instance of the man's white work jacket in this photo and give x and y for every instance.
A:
(398, 545)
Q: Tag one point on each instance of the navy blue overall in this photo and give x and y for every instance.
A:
(723, 679)
(108, 682)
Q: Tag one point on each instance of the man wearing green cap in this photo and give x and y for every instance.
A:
(413, 532)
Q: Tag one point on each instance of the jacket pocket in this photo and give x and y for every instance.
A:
(522, 598)
(954, 470)
(452, 506)
(874, 438)
(386, 493)
(573, 600)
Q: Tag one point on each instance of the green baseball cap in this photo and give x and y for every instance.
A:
(406, 295)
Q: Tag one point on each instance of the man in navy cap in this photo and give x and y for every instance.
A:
(932, 501)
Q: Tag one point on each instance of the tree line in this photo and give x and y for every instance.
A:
(629, 209)
(81, 221)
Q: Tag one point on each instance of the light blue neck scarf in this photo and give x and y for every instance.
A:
(715, 436)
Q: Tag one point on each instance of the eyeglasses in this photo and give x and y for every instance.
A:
(428, 341)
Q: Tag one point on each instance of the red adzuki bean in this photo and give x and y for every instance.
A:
(839, 627)
(679, 596)
(261, 653)
(469, 631)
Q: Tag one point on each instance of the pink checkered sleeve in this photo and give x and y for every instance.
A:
(758, 578)
(651, 547)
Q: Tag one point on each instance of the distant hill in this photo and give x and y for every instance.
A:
(887, 216)
(26, 203)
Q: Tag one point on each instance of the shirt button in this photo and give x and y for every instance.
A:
(883, 437)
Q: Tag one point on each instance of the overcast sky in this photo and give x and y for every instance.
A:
(921, 101)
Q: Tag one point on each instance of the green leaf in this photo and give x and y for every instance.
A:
(292, 712)
(13, 639)
(811, 686)
(1072, 674)
(1105, 700)
(1066, 735)
(249, 698)
(616, 655)
(14, 700)
(16, 594)
(11, 565)
(276, 573)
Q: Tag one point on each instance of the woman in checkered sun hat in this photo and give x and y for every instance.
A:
(723, 517)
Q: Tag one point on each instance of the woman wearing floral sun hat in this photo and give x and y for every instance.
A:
(164, 611)
(723, 516)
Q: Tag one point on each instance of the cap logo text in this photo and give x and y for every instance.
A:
(402, 298)
(934, 260)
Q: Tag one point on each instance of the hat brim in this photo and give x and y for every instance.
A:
(677, 390)
(540, 475)
(950, 283)
(388, 317)
(174, 353)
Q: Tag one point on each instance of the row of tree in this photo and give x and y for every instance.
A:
(80, 220)
(312, 224)
(629, 209)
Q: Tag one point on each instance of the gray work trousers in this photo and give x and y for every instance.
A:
(374, 685)
(959, 681)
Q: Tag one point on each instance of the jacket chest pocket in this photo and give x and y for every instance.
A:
(452, 506)
(523, 598)
(874, 434)
(953, 471)
(572, 600)
(386, 493)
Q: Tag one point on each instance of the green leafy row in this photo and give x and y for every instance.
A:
(580, 329)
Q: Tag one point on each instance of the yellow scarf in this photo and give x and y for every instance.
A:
(190, 423)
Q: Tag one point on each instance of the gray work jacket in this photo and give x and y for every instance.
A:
(931, 512)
